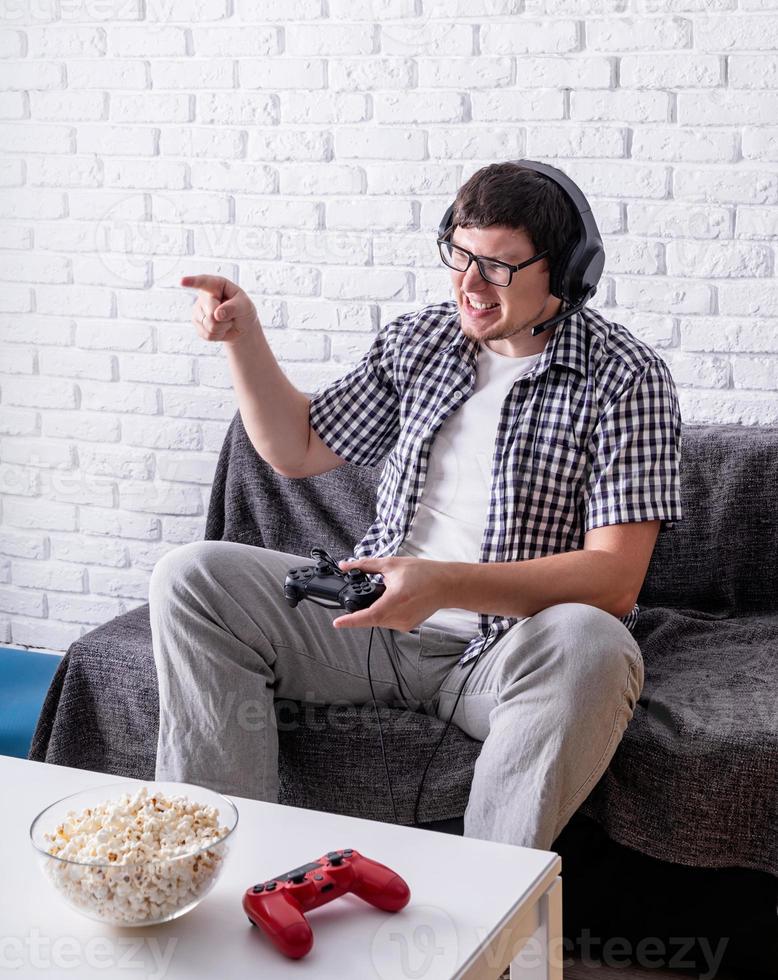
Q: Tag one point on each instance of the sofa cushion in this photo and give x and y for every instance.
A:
(723, 555)
(695, 777)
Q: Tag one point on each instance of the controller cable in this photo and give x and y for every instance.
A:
(482, 650)
(321, 555)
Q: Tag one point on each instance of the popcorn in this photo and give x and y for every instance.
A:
(141, 858)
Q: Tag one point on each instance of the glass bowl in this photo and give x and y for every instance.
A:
(142, 892)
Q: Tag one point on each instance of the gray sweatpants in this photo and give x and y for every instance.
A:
(550, 700)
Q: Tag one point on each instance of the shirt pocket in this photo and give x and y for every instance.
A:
(559, 458)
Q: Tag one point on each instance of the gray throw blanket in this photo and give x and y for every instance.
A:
(695, 778)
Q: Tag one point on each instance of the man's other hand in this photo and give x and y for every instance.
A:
(415, 589)
(222, 310)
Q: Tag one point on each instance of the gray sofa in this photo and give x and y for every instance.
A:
(690, 800)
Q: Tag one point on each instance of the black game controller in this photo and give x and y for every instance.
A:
(351, 590)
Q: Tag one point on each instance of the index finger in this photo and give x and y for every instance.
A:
(369, 616)
(363, 564)
(211, 284)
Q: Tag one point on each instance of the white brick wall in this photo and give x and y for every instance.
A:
(307, 148)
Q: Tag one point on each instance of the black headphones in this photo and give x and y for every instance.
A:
(574, 276)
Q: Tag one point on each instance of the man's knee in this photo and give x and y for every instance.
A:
(588, 644)
(181, 567)
(596, 646)
(574, 618)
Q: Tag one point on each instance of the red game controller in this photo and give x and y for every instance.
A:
(277, 905)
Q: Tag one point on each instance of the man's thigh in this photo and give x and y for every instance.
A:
(563, 651)
(240, 588)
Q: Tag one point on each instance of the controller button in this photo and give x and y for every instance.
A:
(271, 886)
(348, 852)
(258, 888)
(337, 860)
(318, 877)
(298, 879)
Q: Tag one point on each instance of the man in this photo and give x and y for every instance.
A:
(524, 483)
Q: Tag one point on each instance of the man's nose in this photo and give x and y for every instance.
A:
(472, 278)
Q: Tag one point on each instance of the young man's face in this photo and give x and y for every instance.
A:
(522, 304)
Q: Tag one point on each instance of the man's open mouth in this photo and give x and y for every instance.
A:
(479, 310)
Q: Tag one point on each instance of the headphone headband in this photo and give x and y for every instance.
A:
(577, 271)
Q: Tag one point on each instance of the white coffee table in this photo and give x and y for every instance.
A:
(475, 906)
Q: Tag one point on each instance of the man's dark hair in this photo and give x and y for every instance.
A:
(512, 195)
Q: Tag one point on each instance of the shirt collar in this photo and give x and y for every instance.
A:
(567, 347)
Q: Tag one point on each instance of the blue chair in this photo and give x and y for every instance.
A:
(24, 679)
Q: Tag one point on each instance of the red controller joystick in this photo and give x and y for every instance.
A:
(277, 905)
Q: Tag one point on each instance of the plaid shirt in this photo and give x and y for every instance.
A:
(607, 427)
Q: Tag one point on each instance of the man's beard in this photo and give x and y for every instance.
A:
(508, 330)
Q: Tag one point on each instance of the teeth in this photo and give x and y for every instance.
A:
(481, 306)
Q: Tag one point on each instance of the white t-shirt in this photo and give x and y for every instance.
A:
(451, 517)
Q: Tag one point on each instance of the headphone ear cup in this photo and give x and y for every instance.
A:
(590, 259)
(559, 278)
(445, 222)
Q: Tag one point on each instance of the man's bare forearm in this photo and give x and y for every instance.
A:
(523, 588)
(274, 413)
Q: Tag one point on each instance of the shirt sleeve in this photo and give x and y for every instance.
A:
(636, 451)
(358, 416)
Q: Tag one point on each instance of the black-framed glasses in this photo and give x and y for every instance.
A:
(492, 270)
